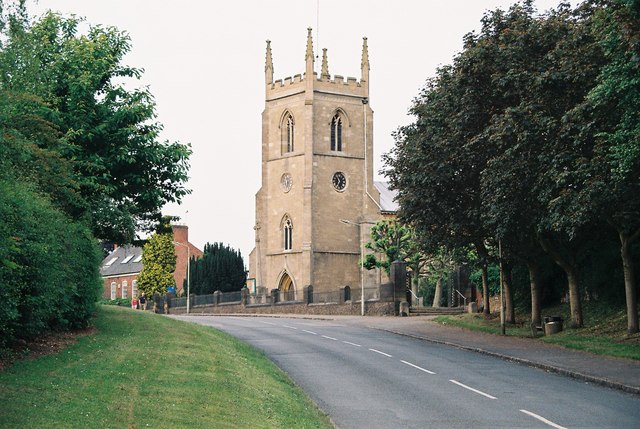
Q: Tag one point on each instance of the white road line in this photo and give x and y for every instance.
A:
(268, 323)
(352, 344)
(382, 353)
(417, 367)
(329, 338)
(472, 389)
(309, 332)
(290, 327)
(543, 420)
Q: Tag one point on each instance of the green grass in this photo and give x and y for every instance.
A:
(144, 370)
(604, 330)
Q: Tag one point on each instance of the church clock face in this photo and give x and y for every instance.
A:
(339, 181)
(286, 181)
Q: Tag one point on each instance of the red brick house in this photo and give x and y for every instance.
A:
(121, 267)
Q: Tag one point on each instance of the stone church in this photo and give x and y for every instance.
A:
(318, 200)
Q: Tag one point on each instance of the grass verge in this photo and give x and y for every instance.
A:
(604, 332)
(144, 370)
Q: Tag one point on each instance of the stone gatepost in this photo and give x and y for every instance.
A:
(275, 296)
(307, 293)
(244, 296)
(216, 297)
(398, 278)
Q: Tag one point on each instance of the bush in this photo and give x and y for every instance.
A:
(124, 302)
(48, 266)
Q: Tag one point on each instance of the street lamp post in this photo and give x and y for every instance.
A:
(348, 222)
(188, 271)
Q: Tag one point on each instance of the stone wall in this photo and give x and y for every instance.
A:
(372, 308)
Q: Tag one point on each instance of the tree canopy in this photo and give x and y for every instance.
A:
(530, 138)
(118, 173)
(221, 268)
(80, 159)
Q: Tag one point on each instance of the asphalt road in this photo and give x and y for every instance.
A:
(365, 378)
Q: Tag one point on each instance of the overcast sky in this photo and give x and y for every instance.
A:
(204, 63)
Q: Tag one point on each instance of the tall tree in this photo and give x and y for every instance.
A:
(123, 174)
(158, 265)
(606, 129)
(221, 268)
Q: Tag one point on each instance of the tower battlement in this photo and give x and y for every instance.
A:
(323, 82)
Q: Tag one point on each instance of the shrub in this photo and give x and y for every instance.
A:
(48, 266)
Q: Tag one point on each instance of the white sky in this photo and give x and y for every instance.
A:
(204, 63)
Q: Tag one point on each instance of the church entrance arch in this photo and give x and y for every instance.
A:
(286, 288)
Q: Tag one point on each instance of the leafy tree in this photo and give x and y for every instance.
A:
(607, 181)
(121, 174)
(395, 241)
(221, 268)
(158, 265)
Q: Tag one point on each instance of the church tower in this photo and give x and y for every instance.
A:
(317, 201)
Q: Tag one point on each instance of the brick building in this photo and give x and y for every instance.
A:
(121, 267)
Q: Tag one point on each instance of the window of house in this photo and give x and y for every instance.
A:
(138, 258)
(113, 290)
(125, 287)
(111, 261)
(336, 133)
(347, 293)
(127, 259)
(288, 234)
(134, 288)
(287, 133)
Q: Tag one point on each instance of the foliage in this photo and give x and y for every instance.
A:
(221, 268)
(493, 277)
(120, 174)
(392, 240)
(531, 137)
(158, 265)
(48, 266)
(164, 369)
(79, 158)
(123, 302)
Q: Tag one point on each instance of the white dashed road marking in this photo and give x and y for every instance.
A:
(309, 332)
(352, 344)
(329, 338)
(382, 353)
(472, 389)
(417, 367)
(543, 420)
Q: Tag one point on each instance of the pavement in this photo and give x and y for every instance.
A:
(615, 373)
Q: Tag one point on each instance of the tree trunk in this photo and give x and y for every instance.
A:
(510, 315)
(574, 298)
(438, 295)
(630, 290)
(485, 291)
(414, 289)
(536, 317)
(572, 280)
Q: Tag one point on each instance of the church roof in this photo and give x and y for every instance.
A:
(387, 197)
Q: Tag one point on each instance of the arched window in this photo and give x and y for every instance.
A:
(287, 133)
(336, 133)
(113, 290)
(125, 288)
(288, 233)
